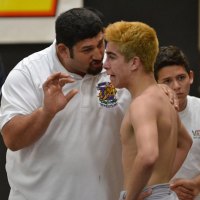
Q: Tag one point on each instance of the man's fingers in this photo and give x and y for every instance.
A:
(71, 94)
(63, 81)
(58, 78)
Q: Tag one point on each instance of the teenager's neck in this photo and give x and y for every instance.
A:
(182, 105)
(141, 83)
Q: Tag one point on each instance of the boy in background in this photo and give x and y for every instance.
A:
(172, 68)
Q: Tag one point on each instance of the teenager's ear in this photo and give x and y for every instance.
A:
(134, 63)
(191, 76)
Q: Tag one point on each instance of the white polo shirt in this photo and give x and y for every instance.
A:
(79, 156)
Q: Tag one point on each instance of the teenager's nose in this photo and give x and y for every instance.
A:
(176, 85)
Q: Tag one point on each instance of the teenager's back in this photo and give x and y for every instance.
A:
(167, 129)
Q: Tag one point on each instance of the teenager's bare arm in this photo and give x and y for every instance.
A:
(145, 130)
(183, 146)
(23, 130)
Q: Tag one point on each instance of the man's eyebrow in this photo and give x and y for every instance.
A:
(87, 47)
(92, 46)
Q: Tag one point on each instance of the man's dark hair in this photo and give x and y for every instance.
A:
(77, 24)
(99, 14)
(170, 55)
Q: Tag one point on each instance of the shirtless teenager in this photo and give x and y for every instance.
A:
(154, 142)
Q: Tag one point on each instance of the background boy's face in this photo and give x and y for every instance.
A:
(177, 78)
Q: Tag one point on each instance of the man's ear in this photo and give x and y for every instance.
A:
(63, 51)
(134, 63)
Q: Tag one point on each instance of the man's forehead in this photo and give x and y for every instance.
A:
(91, 41)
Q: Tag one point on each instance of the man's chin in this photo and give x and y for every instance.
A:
(94, 71)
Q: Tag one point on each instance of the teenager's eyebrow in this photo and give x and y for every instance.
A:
(166, 78)
(110, 53)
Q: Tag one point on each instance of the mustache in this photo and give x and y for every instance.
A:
(97, 61)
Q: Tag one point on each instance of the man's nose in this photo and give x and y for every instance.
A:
(98, 54)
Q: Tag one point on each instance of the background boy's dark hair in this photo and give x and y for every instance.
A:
(170, 55)
(77, 24)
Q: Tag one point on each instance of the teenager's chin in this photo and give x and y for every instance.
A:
(115, 84)
(118, 87)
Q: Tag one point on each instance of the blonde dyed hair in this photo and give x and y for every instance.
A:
(134, 39)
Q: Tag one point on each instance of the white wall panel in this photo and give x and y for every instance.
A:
(33, 29)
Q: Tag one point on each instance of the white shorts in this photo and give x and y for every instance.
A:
(159, 192)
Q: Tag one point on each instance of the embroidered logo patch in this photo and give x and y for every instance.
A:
(107, 94)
